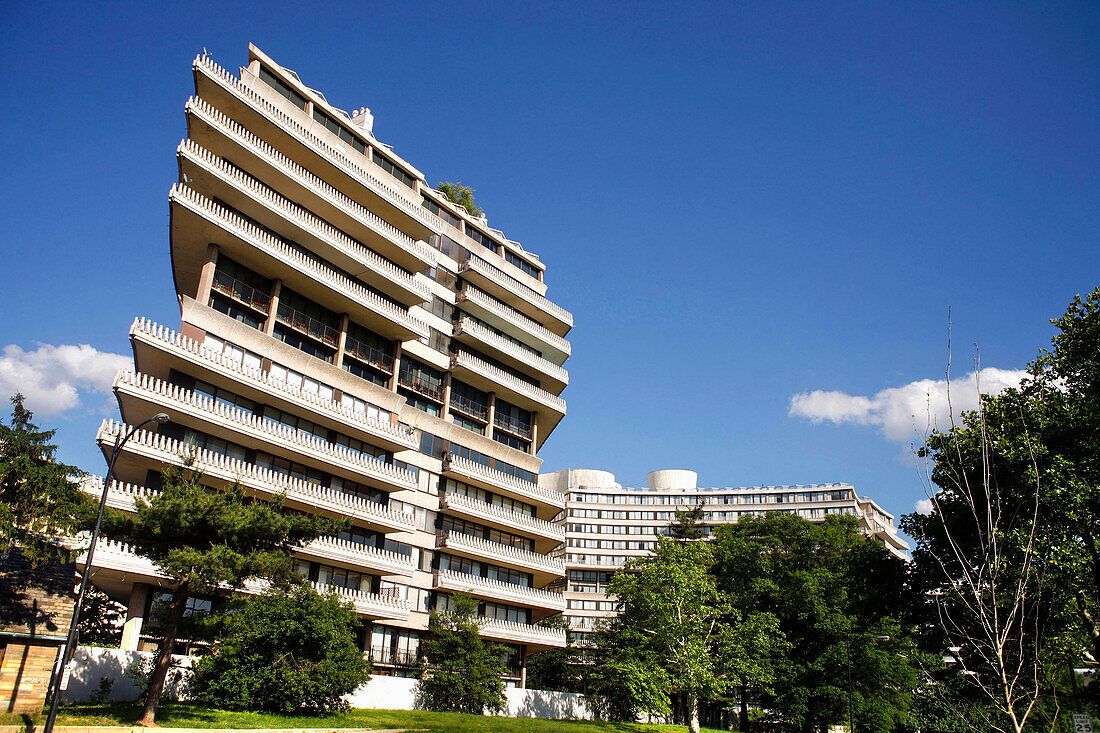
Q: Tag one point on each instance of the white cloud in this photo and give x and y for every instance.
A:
(923, 506)
(909, 411)
(51, 378)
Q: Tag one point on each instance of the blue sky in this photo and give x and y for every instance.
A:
(739, 202)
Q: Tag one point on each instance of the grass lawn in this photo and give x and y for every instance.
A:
(187, 716)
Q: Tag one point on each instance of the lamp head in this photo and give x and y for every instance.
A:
(160, 418)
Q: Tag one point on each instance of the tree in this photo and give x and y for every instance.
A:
(456, 193)
(205, 540)
(556, 669)
(461, 671)
(688, 524)
(286, 651)
(101, 619)
(40, 498)
(669, 629)
(835, 595)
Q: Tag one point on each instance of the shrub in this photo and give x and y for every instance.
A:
(286, 652)
(461, 672)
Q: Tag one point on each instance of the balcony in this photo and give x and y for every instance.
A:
(140, 396)
(500, 554)
(513, 354)
(226, 138)
(511, 321)
(376, 358)
(311, 327)
(490, 478)
(197, 220)
(514, 633)
(158, 349)
(371, 605)
(503, 286)
(495, 590)
(489, 378)
(146, 448)
(387, 657)
(421, 387)
(291, 136)
(207, 172)
(237, 291)
(469, 408)
(498, 516)
(513, 425)
(362, 558)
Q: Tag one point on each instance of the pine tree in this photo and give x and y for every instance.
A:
(461, 670)
(688, 524)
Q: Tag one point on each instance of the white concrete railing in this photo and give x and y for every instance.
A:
(513, 316)
(496, 589)
(494, 273)
(187, 348)
(121, 557)
(290, 211)
(548, 368)
(224, 468)
(501, 552)
(202, 206)
(335, 156)
(471, 362)
(474, 470)
(363, 556)
(308, 180)
(520, 520)
(172, 396)
(524, 633)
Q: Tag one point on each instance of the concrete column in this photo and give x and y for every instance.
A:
(523, 669)
(396, 366)
(534, 432)
(492, 412)
(135, 616)
(206, 275)
(269, 324)
(446, 395)
(341, 341)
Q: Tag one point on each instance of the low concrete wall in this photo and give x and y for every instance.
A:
(91, 664)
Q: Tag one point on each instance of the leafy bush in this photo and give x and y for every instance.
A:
(286, 652)
(462, 672)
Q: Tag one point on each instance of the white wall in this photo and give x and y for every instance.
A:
(92, 663)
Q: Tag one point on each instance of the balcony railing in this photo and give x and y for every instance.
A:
(521, 633)
(512, 425)
(394, 658)
(219, 467)
(184, 347)
(360, 556)
(304, 219)
(501, 343)
(410, 381)
(496, 589)
(474, 471)
(513, 316)
(507, 554)
(469, 407)
(521, 521)
(514, 286)
(510, 381)
(322, 148)
(368, 355)
(238, 291)
(311, 327)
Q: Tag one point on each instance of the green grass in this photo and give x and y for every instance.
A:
(187, 716)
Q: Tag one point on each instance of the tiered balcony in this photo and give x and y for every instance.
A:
(207, 172)
(196, 221)
(503, 286)
(544, 567)
(146, 449)
(141, 396)
(116, 561)
(497, 516)
(514, 633)
(482, 338)
(472, 472)
(224, 137)
(345, 169)
(511, 321)
(358, 557)
(245, 295)
(495, 590)
(489, 378)
(158, 349)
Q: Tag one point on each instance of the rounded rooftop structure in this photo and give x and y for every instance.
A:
(673, 478)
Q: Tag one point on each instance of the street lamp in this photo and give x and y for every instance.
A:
(55, 683)
(848, 661)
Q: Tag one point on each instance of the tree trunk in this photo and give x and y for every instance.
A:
(164, 655)
(691, 705)
(743, 723)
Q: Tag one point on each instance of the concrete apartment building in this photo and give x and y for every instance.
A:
(607, 524)
(351, 339)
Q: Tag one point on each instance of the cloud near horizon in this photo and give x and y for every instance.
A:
(908, 411)
(52, 378)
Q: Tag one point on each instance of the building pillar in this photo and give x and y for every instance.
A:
(341, 341)
(135, 617)
(492, 412)
(534, 432)
(276, 289)
(396, 366)
(446, 395)
(523, 669)
(206, 275)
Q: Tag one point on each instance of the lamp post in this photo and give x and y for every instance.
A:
(55, 682)
(848, 661)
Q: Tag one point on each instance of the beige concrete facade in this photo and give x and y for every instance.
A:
(352, 340)
(607, 524)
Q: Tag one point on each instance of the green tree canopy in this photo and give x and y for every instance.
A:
(461, 671)
(456, 193)
(208, 540)
(286, 651)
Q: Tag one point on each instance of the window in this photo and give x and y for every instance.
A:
(522, 264)
(471, 425)
(432, 445)
(439, 211)
(237, 312)
(282, 87)
(387, 165)
(339, 130)
(231, 352)
(214, 445)
(481, 239)
(224, 397)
